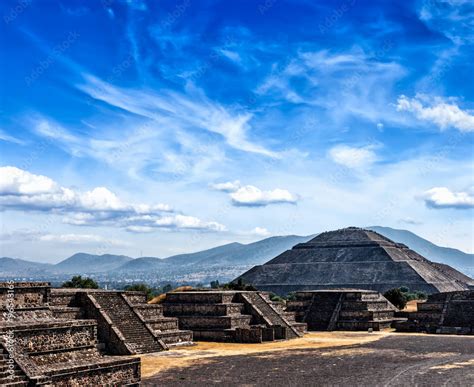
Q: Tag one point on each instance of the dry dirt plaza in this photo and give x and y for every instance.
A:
(319, 358)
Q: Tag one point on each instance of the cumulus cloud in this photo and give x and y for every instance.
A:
(439, 112)
(442, 197)
(353, 157)
(230, 186)
(251, 196)
(22, 190)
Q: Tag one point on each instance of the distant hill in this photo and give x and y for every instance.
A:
(236, 253)
(232, 254)
(22, 267)
(223, 262)
(90, 263)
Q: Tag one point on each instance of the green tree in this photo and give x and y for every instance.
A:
(215, 284)
(78, 282)
(396, 297)
(141, 288)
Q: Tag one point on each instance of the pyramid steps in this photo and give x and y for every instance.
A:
(352, 258)
(138, 338)
(231, 316)
(447, 313)
(344, 309)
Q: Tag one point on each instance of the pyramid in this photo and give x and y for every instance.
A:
(352, 258)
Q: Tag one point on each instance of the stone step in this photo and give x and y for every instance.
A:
(201, 309)
(214, 322)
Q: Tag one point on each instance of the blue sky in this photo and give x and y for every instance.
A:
(160, 127)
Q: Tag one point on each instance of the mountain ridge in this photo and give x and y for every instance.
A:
(232, 257)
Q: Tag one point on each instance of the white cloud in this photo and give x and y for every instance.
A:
(353, 157)
(22, 190)
(186, 111)
(442, 197)
(260, 231)
(8, 138)
(25, 235)
(437, 111)
(230, 186)
(232, 55)
(251, 196)
(80, 239)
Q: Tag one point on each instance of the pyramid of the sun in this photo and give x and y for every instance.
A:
(351, 258)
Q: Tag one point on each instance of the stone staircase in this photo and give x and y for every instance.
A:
(10, 373)
(450, 313)
(63, 353)
(362, 310)
(229, 316)
(137, 337)
(165, 329)
(343, 309)
(264, 309)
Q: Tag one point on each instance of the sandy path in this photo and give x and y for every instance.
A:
(187, 356)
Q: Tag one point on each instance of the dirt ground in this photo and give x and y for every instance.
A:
(323, 358)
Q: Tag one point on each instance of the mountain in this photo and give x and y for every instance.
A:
(20, 267)
(141, 264)
(90, 263)
(453, 257)
(232, 254)
(223, 262)
(240, 254)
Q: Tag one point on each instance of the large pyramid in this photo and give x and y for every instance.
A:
(352, 258)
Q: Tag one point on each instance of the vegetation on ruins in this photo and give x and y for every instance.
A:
(239, 285)
(400, 296)
(80, 283)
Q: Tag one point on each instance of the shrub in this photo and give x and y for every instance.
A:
(239, 285)
(276, 298)
(396, 297)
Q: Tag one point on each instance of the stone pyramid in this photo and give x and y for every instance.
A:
(351, 258)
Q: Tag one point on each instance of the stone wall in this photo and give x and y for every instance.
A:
(24, 294)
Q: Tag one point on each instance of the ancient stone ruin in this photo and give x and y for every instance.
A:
(126, 323)
(38, 347)
(232, 316)
(450, 313)
(352, 258)
(343, 309)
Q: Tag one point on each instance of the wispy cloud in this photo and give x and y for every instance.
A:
(25, 235)
(191, 111)
(353, 157)
(436, 110)
(9, 138)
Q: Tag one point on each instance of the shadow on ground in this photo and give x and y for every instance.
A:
(394, 360)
